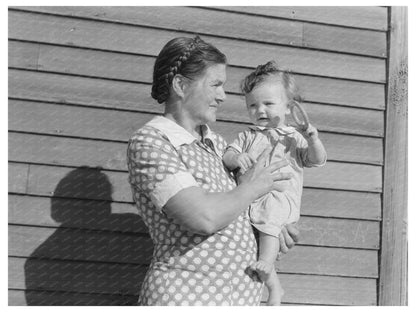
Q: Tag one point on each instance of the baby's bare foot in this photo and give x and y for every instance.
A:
(276, 293)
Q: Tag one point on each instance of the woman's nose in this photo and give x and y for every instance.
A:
(221, 96)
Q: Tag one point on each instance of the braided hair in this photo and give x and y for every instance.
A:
(188, 57)
(267, 71)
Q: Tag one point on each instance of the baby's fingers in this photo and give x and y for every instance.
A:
(277, 165)
(251, 159)
(283, 248)
(288, 239)
(247, 162)
(293, 231)
(243, 166)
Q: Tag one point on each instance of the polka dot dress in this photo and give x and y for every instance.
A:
(188, 268)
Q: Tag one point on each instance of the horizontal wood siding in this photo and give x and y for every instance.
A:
(79, 86)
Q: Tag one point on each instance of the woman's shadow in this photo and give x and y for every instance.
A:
(94, 257)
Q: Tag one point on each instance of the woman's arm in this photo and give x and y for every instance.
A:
(205, 213)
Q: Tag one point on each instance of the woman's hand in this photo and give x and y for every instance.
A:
(264, 179)
(288, 238)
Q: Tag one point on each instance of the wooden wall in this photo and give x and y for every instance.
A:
(79, 85)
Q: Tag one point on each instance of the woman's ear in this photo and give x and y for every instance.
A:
(178, 85)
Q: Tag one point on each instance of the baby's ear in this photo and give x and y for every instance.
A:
(288, 106)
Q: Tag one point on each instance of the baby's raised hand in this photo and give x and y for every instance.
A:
(244, 161)
(310, 133)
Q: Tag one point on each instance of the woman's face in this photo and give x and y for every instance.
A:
(204, 94)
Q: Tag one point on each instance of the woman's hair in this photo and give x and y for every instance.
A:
(189, 57)
(270, 70)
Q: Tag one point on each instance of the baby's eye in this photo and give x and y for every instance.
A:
(269, 103)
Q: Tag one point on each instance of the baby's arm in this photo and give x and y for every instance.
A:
(316, 150)
(233, 160)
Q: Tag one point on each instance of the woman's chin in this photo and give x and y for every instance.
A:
(211, 116)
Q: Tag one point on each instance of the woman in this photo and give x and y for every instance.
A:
(197, 217)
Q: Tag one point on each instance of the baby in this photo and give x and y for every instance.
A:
(269, 92)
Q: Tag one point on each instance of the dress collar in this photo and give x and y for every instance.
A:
(176, 134)
(281, 130)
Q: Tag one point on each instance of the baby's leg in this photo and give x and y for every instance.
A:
(269, 247)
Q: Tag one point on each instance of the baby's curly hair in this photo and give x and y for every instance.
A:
(270, 70)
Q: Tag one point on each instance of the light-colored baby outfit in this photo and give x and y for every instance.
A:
(273, 210)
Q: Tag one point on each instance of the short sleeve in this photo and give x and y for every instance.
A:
(302, 152)
(155, 167)
(239, 144)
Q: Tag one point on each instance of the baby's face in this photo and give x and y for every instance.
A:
(267, 104)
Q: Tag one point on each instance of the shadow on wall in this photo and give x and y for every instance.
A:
(93, 258)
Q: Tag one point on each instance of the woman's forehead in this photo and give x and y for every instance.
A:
(216, 72)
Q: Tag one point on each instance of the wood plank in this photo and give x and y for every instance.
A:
(73, 183)
(87, 122)
(55, 298)
(23, 55)
(80, 90)
(126, 280)
(74, 276)
(72, 213)
(345, 204)
(131, 96)
(354, 177)
(370, 17)
(79, 244)
(109, 155)
(113, 65)
(125, 38)
(365, 42)
(209, 22)
(339, 232)
(18, 177)
(393, 285)
(324, 290)
(66, 151)
(330, 261)
(85, 245)
(74, 120)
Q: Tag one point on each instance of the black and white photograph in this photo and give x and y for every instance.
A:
(207, 155)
